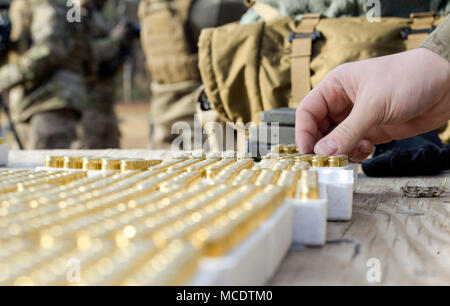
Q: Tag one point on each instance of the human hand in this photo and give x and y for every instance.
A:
(375, 101)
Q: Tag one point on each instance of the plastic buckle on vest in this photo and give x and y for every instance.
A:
(314, 36)
(406, 32)
(205, 104)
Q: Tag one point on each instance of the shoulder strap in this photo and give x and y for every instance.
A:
(265, 11)
(421, 27)
(302, 41)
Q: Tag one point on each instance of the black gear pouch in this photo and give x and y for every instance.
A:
(420, 155)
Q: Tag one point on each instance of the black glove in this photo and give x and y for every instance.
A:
(421, 155)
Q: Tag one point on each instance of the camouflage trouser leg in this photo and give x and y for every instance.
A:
(49, 130)
(99, 130)
(170, 104)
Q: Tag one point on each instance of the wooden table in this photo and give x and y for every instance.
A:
(409, 238)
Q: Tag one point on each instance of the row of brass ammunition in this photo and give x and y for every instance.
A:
(98, 163)
(312, 160)
(285, 149)
(137, 227)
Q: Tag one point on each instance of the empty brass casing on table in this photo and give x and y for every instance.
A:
(309, 185)
(54, 162)
(319, 161)
(74, 163)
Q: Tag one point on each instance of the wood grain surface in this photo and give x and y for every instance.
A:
(410, 238)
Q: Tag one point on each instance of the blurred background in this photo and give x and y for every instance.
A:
(133, 92)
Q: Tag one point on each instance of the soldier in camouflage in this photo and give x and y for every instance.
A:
(349, 8)
(170, 32)
(99, 128)
(44, 75)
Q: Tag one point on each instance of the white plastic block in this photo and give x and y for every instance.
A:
(4, 154)
(244, 266)
(339, 186)
(280, 237)
(310, 220)
(352, 166)
(255, 260)
(90, 173)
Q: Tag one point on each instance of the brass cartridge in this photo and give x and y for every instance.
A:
(92, 163)
(319, 161)
(309, 185)
(109, 164)
(54, 162)
(73, 163)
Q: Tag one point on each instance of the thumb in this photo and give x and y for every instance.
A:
(347, 135)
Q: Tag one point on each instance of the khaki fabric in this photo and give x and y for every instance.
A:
(439, 42)
(171, 103)
(170, 58)
(246, 69)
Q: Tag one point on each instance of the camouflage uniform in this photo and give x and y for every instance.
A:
(170, 31)
(45, 73)
(349, 8)
(439, 42)
(99, 128)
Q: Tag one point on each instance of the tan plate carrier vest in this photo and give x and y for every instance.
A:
(169, 57)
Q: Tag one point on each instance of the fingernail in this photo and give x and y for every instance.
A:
(327, 147)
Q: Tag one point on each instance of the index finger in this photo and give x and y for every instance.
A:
(323, 108)
(311, 120)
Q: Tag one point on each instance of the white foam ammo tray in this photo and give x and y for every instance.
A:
(351, 166)
(90, 173)
(256, 259)
(339, 186)
(310, 220)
